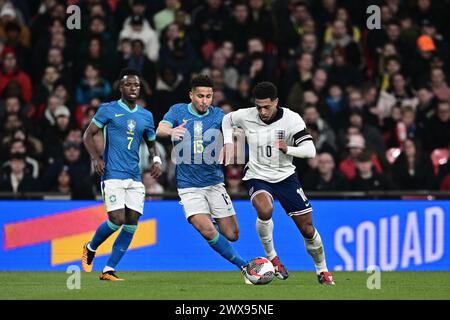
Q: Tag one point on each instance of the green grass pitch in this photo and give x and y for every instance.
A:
(223, 286)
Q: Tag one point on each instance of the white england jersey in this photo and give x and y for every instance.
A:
(265, 161)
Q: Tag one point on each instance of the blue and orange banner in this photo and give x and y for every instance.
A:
(394, 235)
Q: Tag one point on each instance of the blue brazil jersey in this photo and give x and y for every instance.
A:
(196, 173)
(123, 130)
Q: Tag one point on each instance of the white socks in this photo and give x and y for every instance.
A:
(315, 249)
(106, 269)
(265, 233)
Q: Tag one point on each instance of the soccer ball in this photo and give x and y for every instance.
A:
(260, 271)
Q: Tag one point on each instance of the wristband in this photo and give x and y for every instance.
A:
(157, 159)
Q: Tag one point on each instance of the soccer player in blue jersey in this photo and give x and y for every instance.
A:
(195, 129)
(123, 124)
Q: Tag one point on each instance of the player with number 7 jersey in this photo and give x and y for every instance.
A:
(123, 124)
(275, 135)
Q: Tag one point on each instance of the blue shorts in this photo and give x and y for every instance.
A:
(288, 191)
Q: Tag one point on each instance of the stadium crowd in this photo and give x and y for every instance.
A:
(377, 102)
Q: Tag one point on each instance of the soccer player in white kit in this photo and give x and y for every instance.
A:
(275, 135)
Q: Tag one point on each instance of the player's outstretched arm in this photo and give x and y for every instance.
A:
(164, 130)
(89, 142)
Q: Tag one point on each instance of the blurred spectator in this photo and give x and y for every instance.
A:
(340, 39)
(170, 86)
(325, 178)
(226, 107)
(437, 130)
(291, 27)
(320, 141)
(368, 179)
(10, 72)
(298, 79)
(438, 84)
(335, 102)
(176, 51)
(92, 85)
(243, 97)
(426, 105)
(208, 22)
(137, 27)
(219, 61)
(31, 164)
(312, 116)
(221, 90)
(63, 182)
(18, 181)
(355, 146)
(10, 15)
(125, 49)
(371, 134)
(13, 105)
(412, 170)
(341, 14)
(76, 167)
(56, 135)
(96, 53)
(400, 94)
(46, 85)
(166, 16)
(404, 129)
(341, 72)
(262, 21)
(16, 36)
(33, 145)
(257, 63)
(140, 62)
(239, 27)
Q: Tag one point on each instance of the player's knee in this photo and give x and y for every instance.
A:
(307, 230)
(232, 235)
(265, 213)
(208, 233)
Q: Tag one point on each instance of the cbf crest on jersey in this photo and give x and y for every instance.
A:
(198, 129)
(131, 124)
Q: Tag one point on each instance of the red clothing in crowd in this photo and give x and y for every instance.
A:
(22, 79)
(348, 166)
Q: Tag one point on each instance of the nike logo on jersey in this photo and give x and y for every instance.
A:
(119, 115)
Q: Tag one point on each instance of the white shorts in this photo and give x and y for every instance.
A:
(119, 193)
(213, 200)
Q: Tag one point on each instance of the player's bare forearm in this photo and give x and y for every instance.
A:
(156, 165)
(89, 142)
(152, 149)
(164, 130)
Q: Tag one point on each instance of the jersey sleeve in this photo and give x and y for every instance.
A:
(102, 117)
(149, 133)
(171, 117)
(299, 131)
(238, 117)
